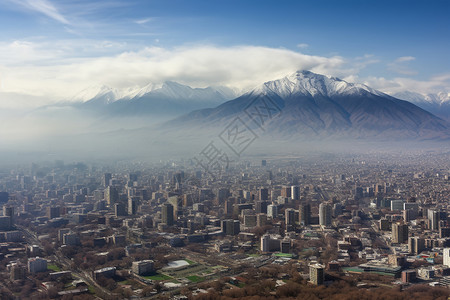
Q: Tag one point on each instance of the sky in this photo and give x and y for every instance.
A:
(51, 50)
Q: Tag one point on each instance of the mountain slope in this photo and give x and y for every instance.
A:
(314, 105)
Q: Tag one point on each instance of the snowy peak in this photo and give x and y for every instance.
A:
(441, 98)
(140, 92)
(307, 83)
(107, 95)
(168, 90)
(438, 103)
(177, 91)
(410, 96)
(168, 98)
(94, 92)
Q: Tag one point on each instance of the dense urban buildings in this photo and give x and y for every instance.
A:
(169, 226)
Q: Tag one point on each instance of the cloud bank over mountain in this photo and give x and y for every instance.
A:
(56, 72)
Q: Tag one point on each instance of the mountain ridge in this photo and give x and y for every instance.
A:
(437, 103)
(167, 99)
(323, 106)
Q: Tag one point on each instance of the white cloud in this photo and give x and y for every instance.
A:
(405, 58)
(143, 21)
(44, 7)
(401, 65)
(302, 46)
(242, 66)
(57, 71)
(399, 84)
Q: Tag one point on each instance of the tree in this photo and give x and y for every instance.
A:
(147, 291)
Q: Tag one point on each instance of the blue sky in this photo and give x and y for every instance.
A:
(52, 48)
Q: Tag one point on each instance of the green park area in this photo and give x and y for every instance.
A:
(53, 267)
(195, 278)
(283, 255)
(158, 277)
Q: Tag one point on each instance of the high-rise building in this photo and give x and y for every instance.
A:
(142, 267)
(17, 272)
(37, 264)
(411, 206)
(229, 207)
(408, 276)
(274, 195)
(444, 232)
(305, 214)
(53, 212)
(416, 245)
(397, 204)
(106, 179)
(446, 255)
(263, 194)
(119, 210)
(188, 200)
(358, 193)
(380, 188)
(111, 195)
(167, 214)
(286, 191)
(289, 215)
(399, 233)
(433, 217)
(317, 274)
(261, 207)
(285, 245)
(337, 209)
(272, 211)
(222, 195)
(132, 205)
(231, 227)
(325, 213)
(295, 192)
(5, 223)
(8, 211)
(274, 243)
(265, 243)
(199, 207)
(71, 239)
(62, 232)
(177, 203)
(4, 197)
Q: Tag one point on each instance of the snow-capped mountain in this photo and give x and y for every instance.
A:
(174, 90)
(437, 98)
(103, 92)
(106, 95)
(307, 83)
(322, 106)
(438, 103)
(169, 98)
